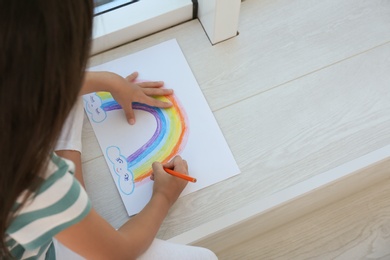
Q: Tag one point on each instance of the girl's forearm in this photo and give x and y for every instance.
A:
(141, 229)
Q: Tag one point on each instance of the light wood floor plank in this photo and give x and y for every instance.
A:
(357, 227)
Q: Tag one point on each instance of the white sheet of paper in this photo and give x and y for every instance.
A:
(203, 146)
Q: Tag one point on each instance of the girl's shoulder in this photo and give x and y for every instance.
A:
(59, 202)
(58, 164)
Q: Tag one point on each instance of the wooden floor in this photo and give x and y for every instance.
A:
(355, 228)
(304, 88)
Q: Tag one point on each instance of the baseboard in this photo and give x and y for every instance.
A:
(291, 203)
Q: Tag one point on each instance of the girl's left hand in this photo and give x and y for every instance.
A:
(130, 91)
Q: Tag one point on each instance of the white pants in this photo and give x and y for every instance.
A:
(70, 139)
(159, 249)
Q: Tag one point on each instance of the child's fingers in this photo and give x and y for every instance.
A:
(156, 166)
(156, 103)
(182, 167)
(172, 163)
(157, 170)
(151, 84)
(169, 164)
(132, 76)
(157, 91)
(177, 164)
(185, 164)
(129, 112)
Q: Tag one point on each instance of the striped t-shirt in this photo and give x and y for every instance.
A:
(59, 202)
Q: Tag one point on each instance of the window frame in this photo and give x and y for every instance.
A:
(130, 22)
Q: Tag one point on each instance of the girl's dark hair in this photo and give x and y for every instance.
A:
(44, 46)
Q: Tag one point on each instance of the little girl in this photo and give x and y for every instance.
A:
(45, 211)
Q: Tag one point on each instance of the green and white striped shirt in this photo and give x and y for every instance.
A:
(59, 202)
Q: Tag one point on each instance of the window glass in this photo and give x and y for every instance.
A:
(102, 6)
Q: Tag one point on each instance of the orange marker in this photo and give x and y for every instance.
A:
(180, 175)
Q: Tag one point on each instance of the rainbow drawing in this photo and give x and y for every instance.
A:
(167, 141)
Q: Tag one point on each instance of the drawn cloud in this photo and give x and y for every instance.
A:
(119, 164)
(94, 107)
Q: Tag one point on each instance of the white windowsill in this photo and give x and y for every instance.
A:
(136, 20)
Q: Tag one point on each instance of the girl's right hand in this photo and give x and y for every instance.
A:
(167, 185)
